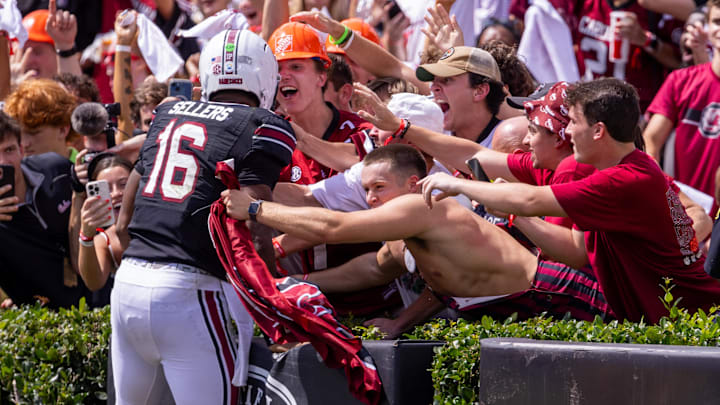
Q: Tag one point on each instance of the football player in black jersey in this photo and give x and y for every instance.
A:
(171, 303)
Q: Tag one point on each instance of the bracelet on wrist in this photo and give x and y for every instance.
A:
(404, 126)
(305, 276)
(123, 48)
(84, 237)
(68, 52)
(345, 45)
(279, 248)
(651, 42)
(342, 38)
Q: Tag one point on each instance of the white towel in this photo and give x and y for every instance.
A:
(209, 27)
(160, 56)
(546, 45)
(11, 21)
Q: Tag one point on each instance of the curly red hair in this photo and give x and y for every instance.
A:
(40, 102)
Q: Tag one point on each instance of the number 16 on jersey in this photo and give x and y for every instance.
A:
(175, 170)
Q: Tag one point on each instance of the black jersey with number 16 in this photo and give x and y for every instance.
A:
(177, 164)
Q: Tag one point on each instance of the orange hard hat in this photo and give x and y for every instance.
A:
(34, 23)
(296, 40)
(360, 27)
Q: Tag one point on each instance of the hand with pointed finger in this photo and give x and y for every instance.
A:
(447, 185)
(8, 205)
(61, 26)
(373, 109)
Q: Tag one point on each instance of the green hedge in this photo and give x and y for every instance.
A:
(61, 356)
(54, 357)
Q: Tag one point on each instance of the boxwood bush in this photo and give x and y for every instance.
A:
(54, 357)
(61, 356)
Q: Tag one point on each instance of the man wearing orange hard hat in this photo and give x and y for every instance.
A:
(303, 64)
(358, 26)
(40, 46)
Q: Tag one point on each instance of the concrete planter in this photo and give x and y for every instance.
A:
(524, 371)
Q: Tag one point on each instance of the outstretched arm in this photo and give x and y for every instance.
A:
(365, 53)
(514, 198)
(679, 9)
(450, 150)
(319, 225)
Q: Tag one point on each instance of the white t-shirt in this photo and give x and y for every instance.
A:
(344, 191)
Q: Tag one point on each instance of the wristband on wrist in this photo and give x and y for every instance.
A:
(345, 45)
(123, 48)
(342, 38)
(651, 42)
(404, 126)
(278, 247)
(67, 53)
(85, 243)
(84, 238)
(305, 276)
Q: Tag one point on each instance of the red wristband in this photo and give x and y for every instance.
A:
(305, 276)
(278, 247)
(84, 238)
(511, 218)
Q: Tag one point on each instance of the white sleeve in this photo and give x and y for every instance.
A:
(342, 192)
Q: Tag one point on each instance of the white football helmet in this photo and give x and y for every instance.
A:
(239, 60)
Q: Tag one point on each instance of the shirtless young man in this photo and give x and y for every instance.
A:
(458, 253)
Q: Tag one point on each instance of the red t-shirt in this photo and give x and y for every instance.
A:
(305, 170)
(591, 36)
(690, 98)
(520, 164)
(636, 233)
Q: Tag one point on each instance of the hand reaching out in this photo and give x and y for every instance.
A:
(373, 109)
(442, 30)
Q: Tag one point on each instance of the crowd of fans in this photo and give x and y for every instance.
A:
(578, 139)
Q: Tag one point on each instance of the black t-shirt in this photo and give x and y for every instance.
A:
(34, 244)
(177, 164)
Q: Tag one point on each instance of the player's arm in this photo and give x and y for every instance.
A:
(558, 242)
(397, 219)
(127, 209)
(450, 150)
(122, 76)
(423, 308)
(364, 271)
(513, 198)
(656, 133)
(365, 53)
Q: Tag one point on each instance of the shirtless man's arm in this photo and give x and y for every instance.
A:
(318, 225)
(450, 150)
(423, 308)
(365, 271)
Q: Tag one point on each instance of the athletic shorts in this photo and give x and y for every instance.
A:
(558, 290)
